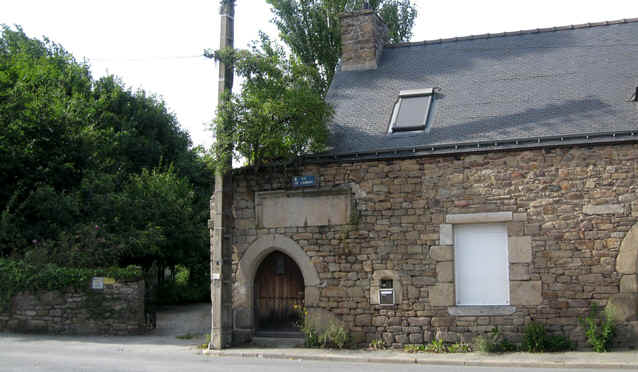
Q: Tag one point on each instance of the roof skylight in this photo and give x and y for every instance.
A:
(411, 111)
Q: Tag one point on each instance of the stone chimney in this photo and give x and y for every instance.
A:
(363, 35)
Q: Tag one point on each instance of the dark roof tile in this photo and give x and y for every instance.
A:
(534, 83)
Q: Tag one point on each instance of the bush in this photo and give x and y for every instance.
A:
(183, 289)
(494, 342)
(537, 340)
(557, 343)
(600, 328)
(534, 338)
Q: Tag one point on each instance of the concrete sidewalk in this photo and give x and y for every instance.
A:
(612, 360)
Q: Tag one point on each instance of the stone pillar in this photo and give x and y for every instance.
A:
(363, 35)
(221, 224)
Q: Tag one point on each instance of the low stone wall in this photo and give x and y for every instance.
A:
(117, 309)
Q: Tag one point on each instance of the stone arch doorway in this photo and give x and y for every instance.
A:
(249, 264)
(278, 289)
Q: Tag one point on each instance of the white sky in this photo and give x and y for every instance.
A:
(157, 45)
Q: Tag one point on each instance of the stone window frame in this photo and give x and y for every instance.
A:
(375, 286)
(523, 290)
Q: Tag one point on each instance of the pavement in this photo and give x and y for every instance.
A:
(627, 359)
(191, 319)
(181, 330)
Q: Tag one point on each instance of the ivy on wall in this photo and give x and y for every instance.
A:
(19, 276)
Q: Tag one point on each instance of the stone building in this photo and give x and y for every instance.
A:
(471, 182)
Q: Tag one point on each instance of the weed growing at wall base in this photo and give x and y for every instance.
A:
(600, 328)
(536, 339)
(335, 336)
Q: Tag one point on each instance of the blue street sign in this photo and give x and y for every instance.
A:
(303, 181)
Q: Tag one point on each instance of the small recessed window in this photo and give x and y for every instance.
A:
(386, 292)
(411, 111)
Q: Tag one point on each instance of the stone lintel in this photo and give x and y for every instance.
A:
(493, 310)
(479, 217)
(604, 209)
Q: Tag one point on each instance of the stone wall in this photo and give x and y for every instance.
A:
(118, 309)
(567, 211)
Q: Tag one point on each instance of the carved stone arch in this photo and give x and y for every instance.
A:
(248, 265)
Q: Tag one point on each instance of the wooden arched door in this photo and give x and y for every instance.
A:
(279, 286)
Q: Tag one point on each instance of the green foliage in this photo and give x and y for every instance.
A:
(600, 328)
(459, 347)
(311, 29)
(413, 348)
(93, 174)
(278, 116)
(556, 343)
(183, 289)
(311, 336)
(377, 344)
(17, 276)
(537, 340)
(334, 337)
(206, 345)
(436, 346)
(534, 338)
(494, 342)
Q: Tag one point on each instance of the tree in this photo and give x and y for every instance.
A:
(92, 173)
(311, 29)
(278, 115)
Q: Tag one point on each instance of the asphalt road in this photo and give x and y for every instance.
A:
(158, 354)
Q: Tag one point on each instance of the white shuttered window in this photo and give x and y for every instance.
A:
(481, 264)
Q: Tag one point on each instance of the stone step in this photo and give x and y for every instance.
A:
(292, 333)
(277, 342)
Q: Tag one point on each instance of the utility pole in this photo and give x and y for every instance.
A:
(221, 252)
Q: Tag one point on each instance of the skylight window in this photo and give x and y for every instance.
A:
(411, 111)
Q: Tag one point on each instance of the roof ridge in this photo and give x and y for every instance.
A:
(513, 33)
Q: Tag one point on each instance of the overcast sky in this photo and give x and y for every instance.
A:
(157, 45)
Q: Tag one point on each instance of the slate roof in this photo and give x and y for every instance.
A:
(521, 89)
